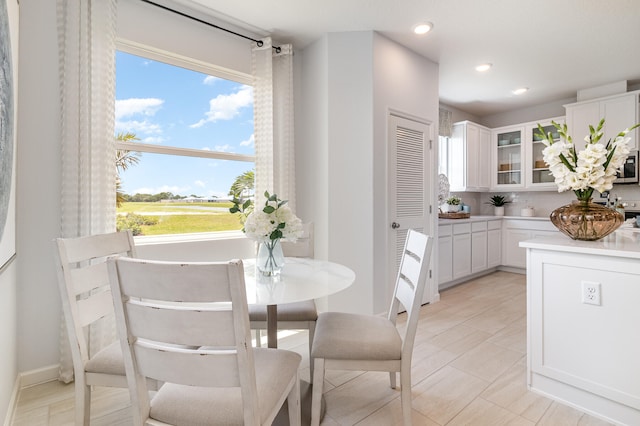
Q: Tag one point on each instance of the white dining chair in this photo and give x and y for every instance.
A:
(187, 325)
(291, 316)
(345, 341)
(86, 298)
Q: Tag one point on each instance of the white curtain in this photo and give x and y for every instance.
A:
(273, 117)
(86, 45)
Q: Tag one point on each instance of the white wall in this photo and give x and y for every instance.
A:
(408, 83)
(350, 83)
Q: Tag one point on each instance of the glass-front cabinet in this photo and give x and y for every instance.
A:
(538, 174)
(509, 157)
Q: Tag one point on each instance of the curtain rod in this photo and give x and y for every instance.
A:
(260, 43)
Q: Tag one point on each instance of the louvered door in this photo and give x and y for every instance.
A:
(409, 184)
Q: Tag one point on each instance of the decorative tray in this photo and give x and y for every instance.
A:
(456, 215)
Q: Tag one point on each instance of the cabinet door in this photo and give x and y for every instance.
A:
(620, 113)
(494, 248)
(508, 158)
(580, 117)
(478, 251)
(536, 172)
(483, 159)
(514, 255)
(461, 255)
(445, 259)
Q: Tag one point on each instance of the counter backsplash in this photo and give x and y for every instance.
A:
(542, 201)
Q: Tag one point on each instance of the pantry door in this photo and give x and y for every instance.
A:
(410, 188)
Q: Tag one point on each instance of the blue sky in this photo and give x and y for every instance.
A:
(172, 106)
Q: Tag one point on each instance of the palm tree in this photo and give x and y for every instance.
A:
(243, 186)
(124, 159)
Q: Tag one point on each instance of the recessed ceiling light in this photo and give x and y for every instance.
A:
(484, 67)
(422, 28)
(520, 91)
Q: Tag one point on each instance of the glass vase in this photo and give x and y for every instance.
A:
(270, 258)
(587, 221)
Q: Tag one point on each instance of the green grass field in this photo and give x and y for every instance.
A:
(182, 218)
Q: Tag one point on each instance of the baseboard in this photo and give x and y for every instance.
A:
(38, 376)
(13, 403)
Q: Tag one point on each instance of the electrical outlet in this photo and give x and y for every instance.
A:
(591, 293)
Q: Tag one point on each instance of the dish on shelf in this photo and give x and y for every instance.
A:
(505, 167)
(503, 142)
(539, 164)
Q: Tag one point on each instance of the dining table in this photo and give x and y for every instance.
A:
(299, 280)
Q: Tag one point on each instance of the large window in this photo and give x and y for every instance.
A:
(184, 138)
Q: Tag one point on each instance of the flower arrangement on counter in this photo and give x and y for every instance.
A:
(594, 167)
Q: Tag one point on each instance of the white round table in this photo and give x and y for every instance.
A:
(300, 279)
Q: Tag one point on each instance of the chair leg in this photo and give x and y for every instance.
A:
(392, 379)
(293, 401)
(405, 395)
(258, 334)
(83, 402)
(316, 396)
(312, 332)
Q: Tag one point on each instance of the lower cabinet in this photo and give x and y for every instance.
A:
(468, 248)
(517, 230)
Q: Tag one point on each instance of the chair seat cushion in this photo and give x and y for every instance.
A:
(352, 336)
(107, 361)
(299, 311)
(193, 405)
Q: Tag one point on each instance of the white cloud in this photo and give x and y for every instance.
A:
(222, 148)
(154, 140)
(226, 107)
(249, 142)
(134, 106)
(137, 127)
(210, 80)
(199, 184)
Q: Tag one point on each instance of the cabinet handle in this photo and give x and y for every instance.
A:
(395, 225)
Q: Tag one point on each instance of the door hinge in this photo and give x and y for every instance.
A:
(430, 209)
(430, 143)
(429, 273)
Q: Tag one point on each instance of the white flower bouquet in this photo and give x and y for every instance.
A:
(273, 222)
(594, 167)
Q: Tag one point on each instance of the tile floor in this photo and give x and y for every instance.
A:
(468, 369)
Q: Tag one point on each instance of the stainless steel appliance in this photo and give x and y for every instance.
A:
(631, 209)
(629, 173)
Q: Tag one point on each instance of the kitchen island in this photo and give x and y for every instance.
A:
(583, 323)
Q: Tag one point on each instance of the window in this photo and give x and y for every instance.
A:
(184, 136)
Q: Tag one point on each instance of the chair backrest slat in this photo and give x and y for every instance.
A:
(153, 322)
(192, 367)
(94, 307)
(167, 281)
(89, 278)
(96, 246)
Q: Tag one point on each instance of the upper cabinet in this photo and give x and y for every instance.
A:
(537, 174)
(619, 111)
(469, 157)
(508, 157)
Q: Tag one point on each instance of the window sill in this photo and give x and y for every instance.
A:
(186, 238)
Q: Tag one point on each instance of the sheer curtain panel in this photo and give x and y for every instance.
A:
(273, 118)
(86, 45)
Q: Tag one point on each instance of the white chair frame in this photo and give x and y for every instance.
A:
(410, 285)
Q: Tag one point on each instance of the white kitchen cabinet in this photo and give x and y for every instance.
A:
(469, 157)
(494, 243)
(508, 158)
(619, 111)
(536, 172)
(445, 253)
(478, 246)
(516, 230)
(461, 250)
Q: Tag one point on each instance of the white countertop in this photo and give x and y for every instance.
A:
(621, 243)
(481, 218)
